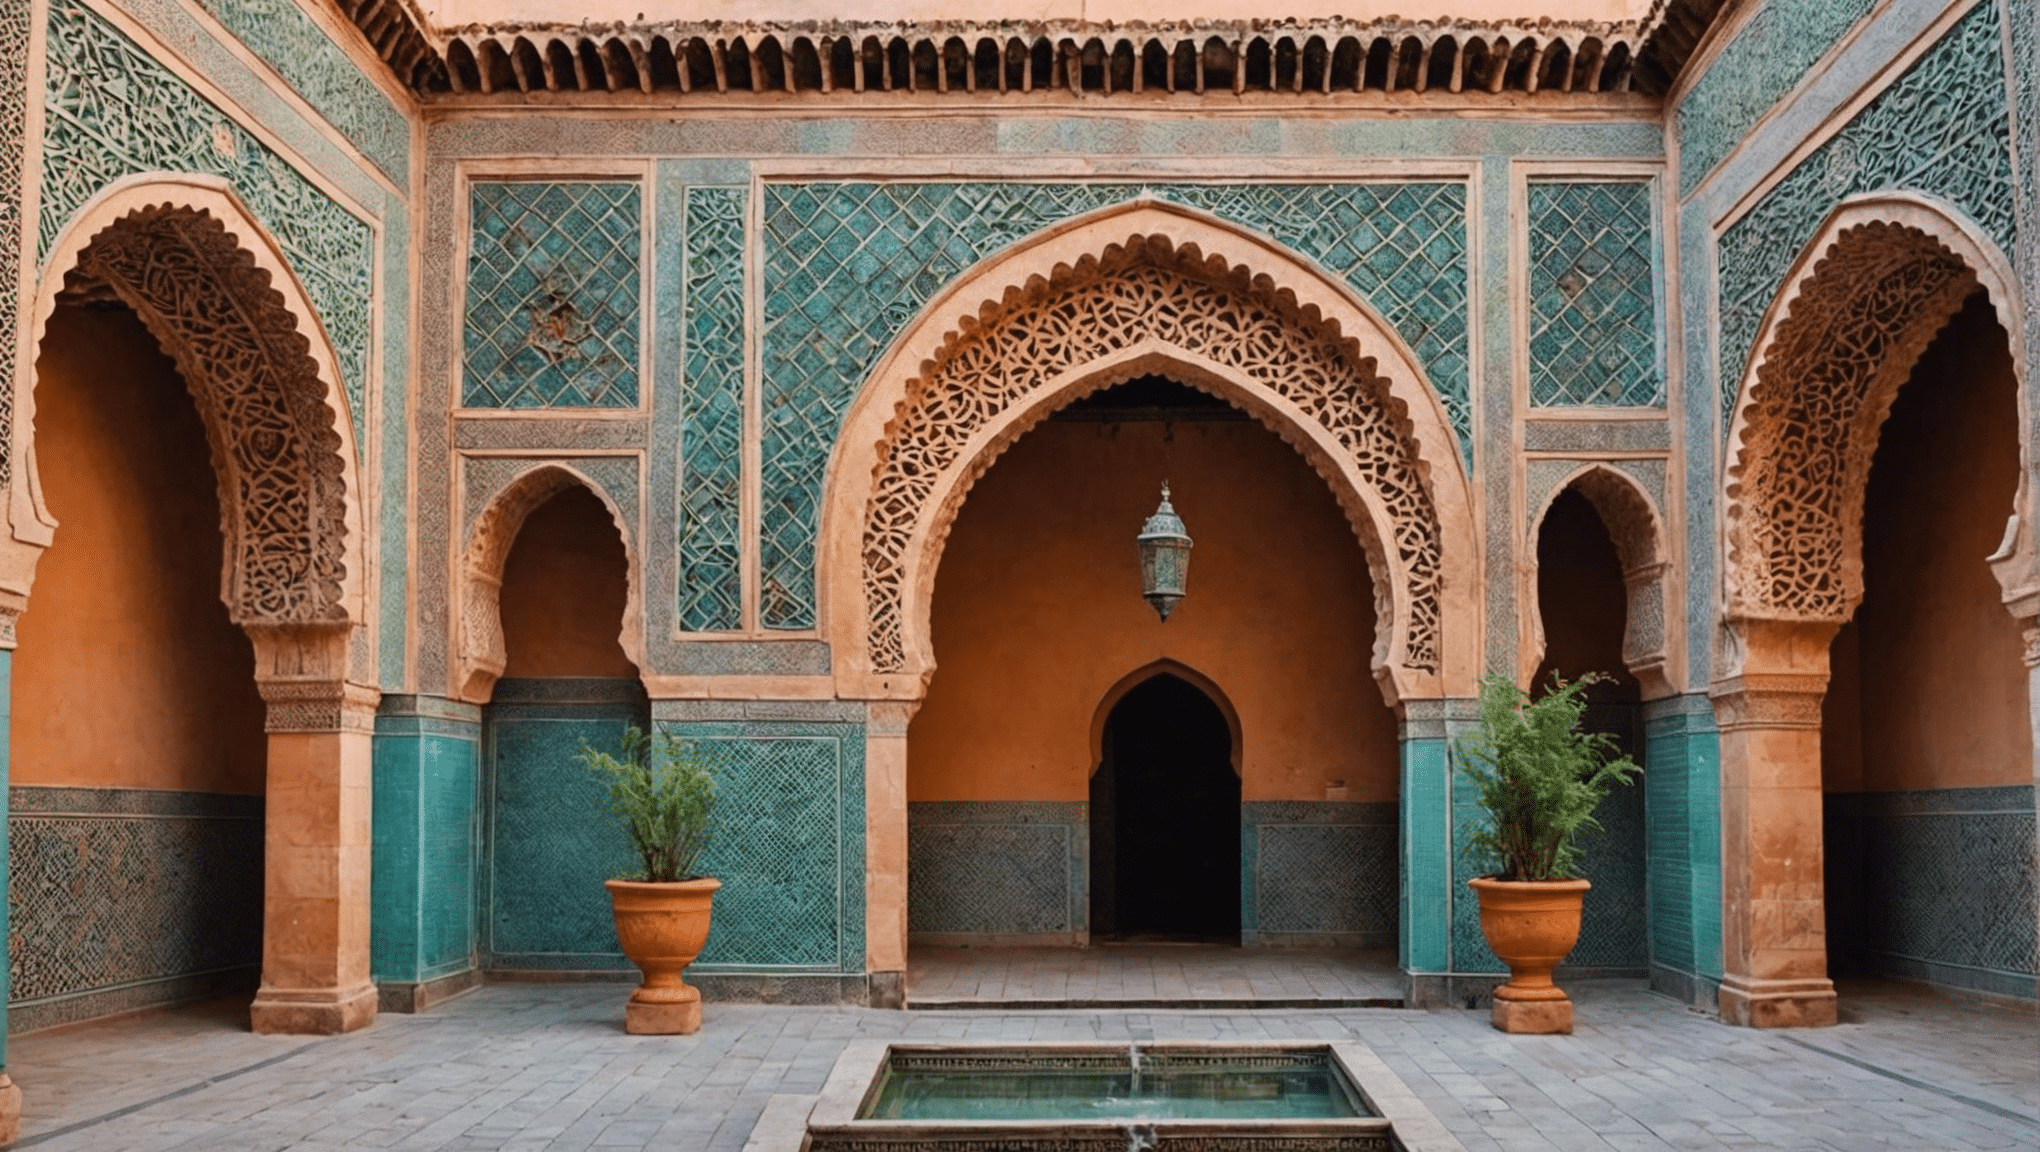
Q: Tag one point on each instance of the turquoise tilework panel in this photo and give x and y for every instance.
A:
(1941, 128)
(1594, 318)
(1934, 885)
(1764, 61)
(550, 842)
(1665, 789)
(317, 69)
(427, 848)
(1614, 922)
(997, 868)
(130, 888)
(711, 583)
(110, 110)
(1424, 929)
(1321, 870)
(553, 284)
(789, 844)
(848, 265)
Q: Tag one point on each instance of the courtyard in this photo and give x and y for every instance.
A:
(548, 1066)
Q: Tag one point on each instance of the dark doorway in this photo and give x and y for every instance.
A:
(1165, 819)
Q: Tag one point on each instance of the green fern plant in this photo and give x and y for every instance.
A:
(1539, 777)
(664, 807)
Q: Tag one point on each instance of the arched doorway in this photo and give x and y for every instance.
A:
(210, 289)
(1165, 818)
(1865, 301)
(1581, 604)
(548, 663)
(1926, 749)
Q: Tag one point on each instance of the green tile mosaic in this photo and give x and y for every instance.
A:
(848, 265)
(1766, 59)
(291, 42)
(553, 285)
(111, 110)
(423, 878)
(1424, 928)
(789, 846)
(711, 584)
(1594, 320)
(1941, 128)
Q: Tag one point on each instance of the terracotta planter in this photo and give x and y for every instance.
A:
(1531, 925)
(662, 928)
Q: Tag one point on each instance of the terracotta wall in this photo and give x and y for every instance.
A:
(1932, 676)
(129, 673)
(564, 591)
(1037, 614)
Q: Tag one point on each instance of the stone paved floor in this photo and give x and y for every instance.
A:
(1147, 975)
(548, 1066)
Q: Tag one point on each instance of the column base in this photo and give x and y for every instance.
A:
(1752, 1002)
(312, 1011)
(10, 1109)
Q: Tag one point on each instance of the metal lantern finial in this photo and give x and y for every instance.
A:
(1164, 557)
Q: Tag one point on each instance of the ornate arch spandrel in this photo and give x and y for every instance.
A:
(213, 289)
(1641, 548)
(1873, 290)
(1142, 288)
(480, 648)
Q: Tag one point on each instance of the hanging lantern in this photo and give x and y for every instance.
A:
(1164, 557)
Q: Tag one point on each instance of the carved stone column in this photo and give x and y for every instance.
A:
(1774, 918)
(885, 850)
(315, 932)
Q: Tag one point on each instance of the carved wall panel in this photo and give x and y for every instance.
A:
(1809, 426)
(275, 444)
(1102, 307)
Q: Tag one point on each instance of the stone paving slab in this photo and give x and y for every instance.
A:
(531, 1066)
(1151, 976)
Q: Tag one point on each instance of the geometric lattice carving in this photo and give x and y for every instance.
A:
(1849, 339)
(990, 879)
(1767, 57)
(274, 438)
(712, 414)
(111, 110)
(848, 265)
(14, 32)
(1109, 304)
(791, 850)
(1950, 888)
(552, 295)
(107, 900)
(1593, 299)
(317, 69)
(1940, 128)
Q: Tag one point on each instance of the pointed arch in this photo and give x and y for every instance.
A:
(1147, 672)
(482, 655)
(1140, 288)
(1880, 280)
(1641, 547)
(212, 286)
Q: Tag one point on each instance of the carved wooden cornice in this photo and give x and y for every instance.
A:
(1322, 58)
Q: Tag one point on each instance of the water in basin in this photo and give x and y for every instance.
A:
(1193, 1093)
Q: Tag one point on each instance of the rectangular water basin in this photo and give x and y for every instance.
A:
(1152, 1097)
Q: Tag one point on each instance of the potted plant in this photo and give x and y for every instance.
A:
(1539, 778)
(662, 910)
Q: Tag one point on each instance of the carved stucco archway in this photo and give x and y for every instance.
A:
(1879, 282)
(212, 287)
(1637, 531)
(1138, 289)
(482, 655)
